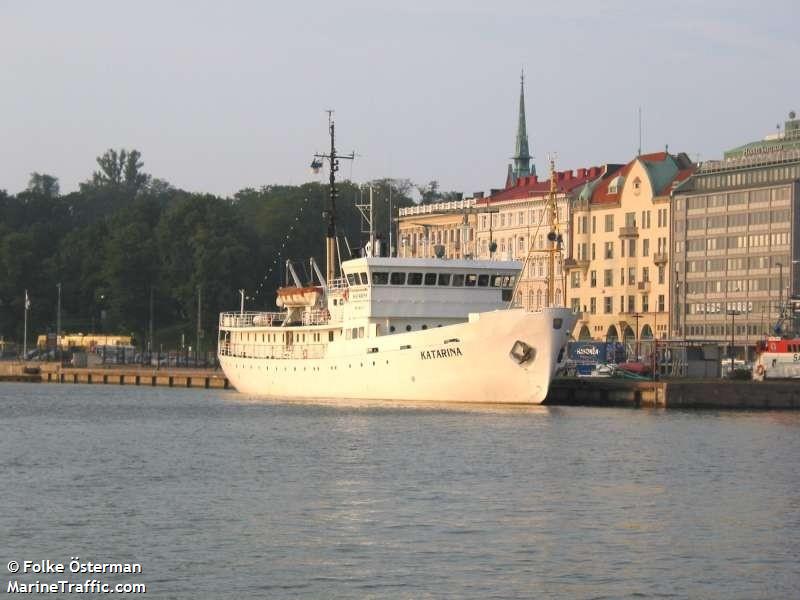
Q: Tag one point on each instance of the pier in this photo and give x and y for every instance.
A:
(143, 376)
(675, 393)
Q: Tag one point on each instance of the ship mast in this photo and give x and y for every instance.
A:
(330, 235)
(554, 237)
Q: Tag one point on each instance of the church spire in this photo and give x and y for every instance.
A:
(522, 158)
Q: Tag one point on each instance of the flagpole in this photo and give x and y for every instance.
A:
(25, 334)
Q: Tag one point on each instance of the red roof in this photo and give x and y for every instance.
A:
(682, 175)
(525, 187)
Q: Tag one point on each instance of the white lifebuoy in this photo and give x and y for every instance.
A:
(760, 370)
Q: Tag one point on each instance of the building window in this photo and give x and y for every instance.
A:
(632, 248)
(609, 223)
(592, 305)
(609, 250)
(645, 247)
(575, 279)
(593, 278)
(607, 305)
(608, 277)
(593, 251)
(631, 304)
(594, 224)
(661, 271)
(631, 275)
(661, 303)
(645, 303)
(576, 305)
(645, 274)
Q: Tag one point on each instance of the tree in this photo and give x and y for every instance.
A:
(44, 185)
(121, 170)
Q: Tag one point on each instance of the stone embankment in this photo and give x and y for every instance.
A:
(675, 393)
(122, 375)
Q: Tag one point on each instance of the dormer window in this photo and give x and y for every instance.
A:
(615, 187)
(637, 186)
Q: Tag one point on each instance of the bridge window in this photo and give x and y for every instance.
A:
(398, 278)
(471, 280)
(483, 280)
(380, 278)
(458, 280)
(351, 279)
(414, 279)
(444, 278)
(430, 278)
(364, 279)
(496, 280)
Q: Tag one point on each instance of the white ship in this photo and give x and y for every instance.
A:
(401, 329)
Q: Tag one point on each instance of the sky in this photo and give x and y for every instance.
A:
(219, 96)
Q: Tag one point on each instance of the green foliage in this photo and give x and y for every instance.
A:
(43, 185)
(125, 236)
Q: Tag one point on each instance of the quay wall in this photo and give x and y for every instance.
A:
(676, 393)
(55, 373)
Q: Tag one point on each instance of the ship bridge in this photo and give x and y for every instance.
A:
(424, 291)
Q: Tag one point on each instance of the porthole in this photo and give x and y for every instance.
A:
(391, 328)
(424, 326)
(408, 327)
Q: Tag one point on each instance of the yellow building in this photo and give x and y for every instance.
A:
(617, 271)
(86, 341)
(445, 226)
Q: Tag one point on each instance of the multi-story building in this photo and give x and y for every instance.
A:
(618, 272)
(515, 225)
(735, 241)
(448, 227)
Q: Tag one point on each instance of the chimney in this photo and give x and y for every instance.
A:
(477, 195)
(568, 174)
(581, 173)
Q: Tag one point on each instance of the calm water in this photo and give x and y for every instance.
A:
(221, 496)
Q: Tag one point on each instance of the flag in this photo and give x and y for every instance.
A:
(27, 301)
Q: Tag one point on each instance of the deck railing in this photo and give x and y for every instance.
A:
(274, 351)
(251, 319)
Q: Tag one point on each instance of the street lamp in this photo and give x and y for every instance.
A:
(636, 316)
(733, 314)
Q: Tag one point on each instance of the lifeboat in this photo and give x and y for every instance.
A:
(296, 297)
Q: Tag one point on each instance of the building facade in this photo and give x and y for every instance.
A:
(515, 224)
(618, 269)
(735, 242)
(446, 228)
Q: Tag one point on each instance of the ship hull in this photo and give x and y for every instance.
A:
(465, 362)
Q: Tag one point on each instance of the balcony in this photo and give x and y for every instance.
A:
(570, 263)
(660, 258)
(629, 231)
(643, 287)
